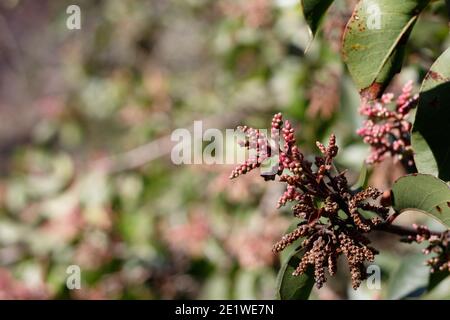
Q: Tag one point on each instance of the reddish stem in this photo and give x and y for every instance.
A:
(401, 230)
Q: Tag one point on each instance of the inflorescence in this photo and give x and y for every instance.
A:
(437, 244)
(387, 129)
(334, 219)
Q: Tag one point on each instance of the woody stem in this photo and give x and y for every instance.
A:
(400, 230)
(447, 2)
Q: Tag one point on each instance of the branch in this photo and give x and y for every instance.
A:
(400, 230)
(161, 147)
(447, 2)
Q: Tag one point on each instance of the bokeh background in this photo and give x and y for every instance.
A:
(86, 116)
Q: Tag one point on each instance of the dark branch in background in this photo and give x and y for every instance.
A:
(161, 147)
(447, 2)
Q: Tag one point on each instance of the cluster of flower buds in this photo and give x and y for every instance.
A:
(387, 129)
(257, 142)
(332, 219)
(438, 244)
(322, 245)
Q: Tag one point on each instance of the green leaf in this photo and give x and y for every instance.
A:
(436, 278)
(291, 287)
(410, 279)
(314, 10)
(287, 253)
(431, 134)
(270, 166)
(363, 179)
(424, 193)
(440, 292)
(375, 40)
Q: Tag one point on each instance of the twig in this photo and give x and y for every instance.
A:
(392, 217)
(161, 147)
(447, 2)
(400, 230)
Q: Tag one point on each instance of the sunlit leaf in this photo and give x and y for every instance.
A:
(424, 193)
(375, 40)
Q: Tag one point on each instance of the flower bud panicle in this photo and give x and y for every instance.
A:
(331, 222)
(388, 131)
(439, 245)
